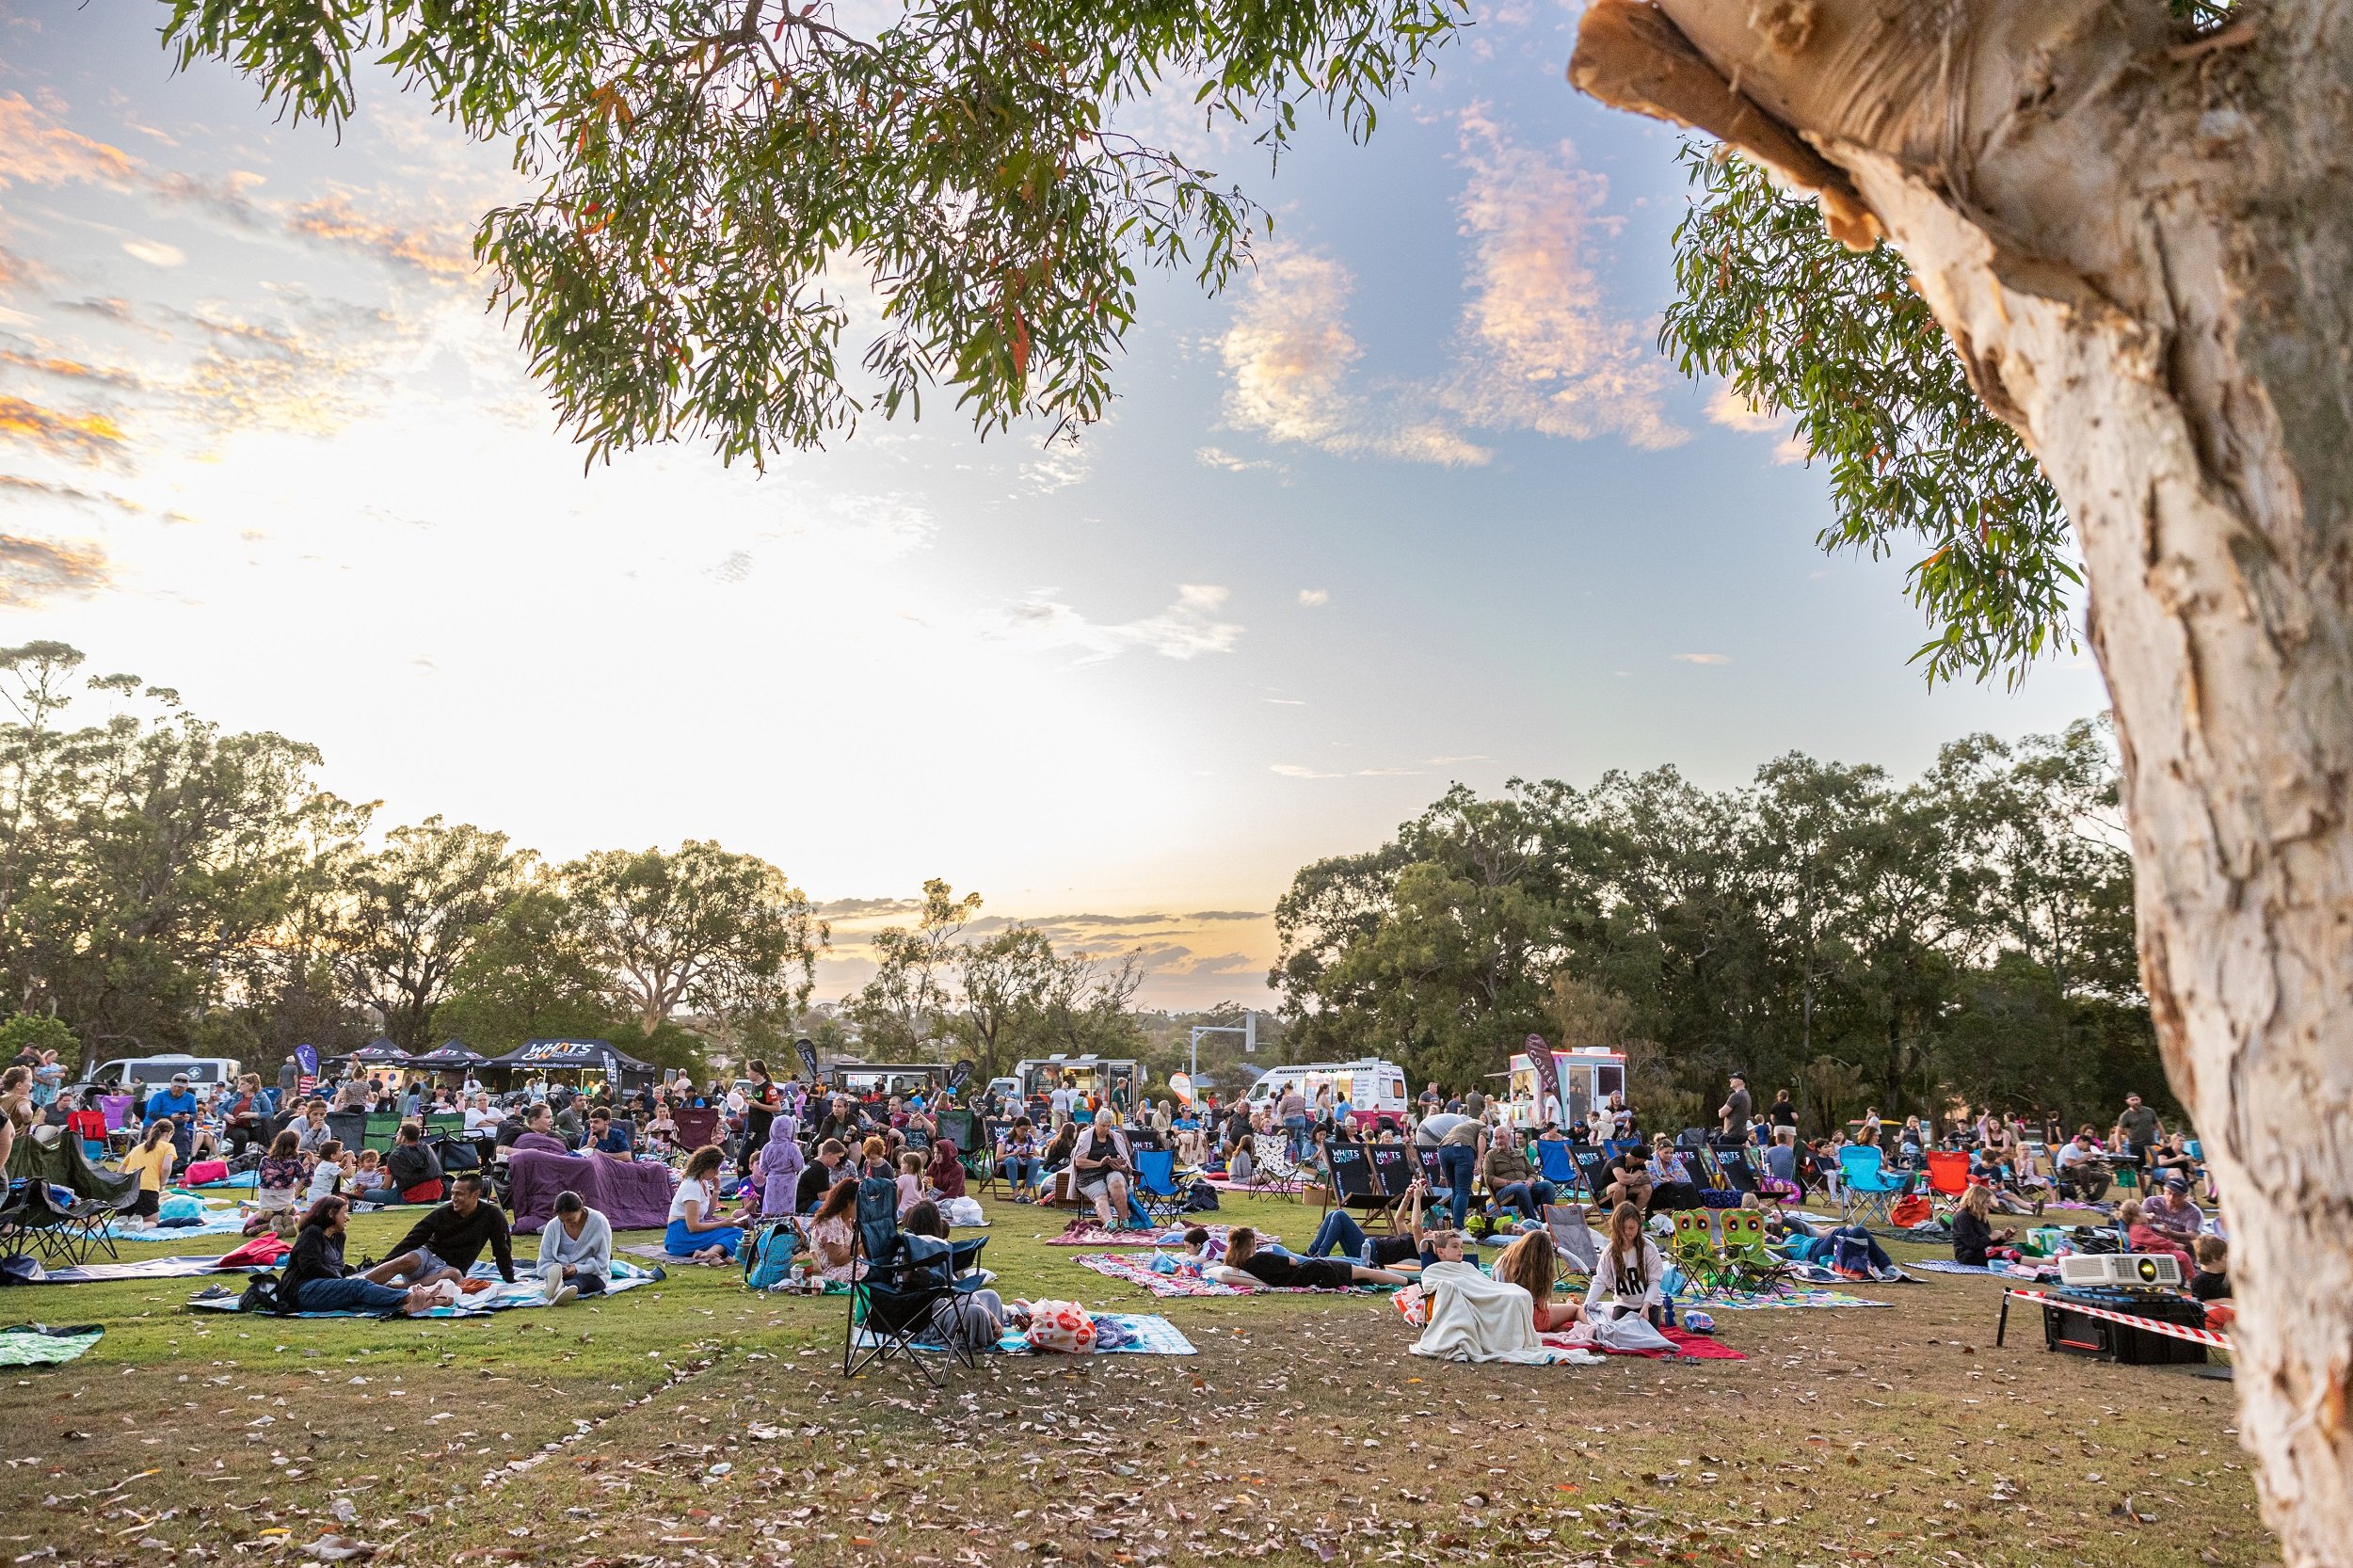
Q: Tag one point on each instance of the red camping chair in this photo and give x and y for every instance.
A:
(1948, 1173)
(696, 1127)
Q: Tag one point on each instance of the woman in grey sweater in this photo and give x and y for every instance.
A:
(575, 1251)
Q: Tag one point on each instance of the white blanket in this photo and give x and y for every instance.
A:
(1473, 1318)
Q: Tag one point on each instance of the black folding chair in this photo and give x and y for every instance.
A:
(1356, 1186)
(1395, 1167)
(35, 1218)
(893, 1306)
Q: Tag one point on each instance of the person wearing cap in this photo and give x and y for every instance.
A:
(179, 1104)
(2139, 1129)
(2170, 1212)
(1735, 1111)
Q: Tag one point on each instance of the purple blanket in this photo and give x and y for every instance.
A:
(630, 1195)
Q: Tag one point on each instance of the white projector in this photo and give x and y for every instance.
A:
(2110, 1270)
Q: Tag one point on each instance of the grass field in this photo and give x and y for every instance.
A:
(688, 1422)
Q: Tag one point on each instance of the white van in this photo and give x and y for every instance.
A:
(200, 1070)
(1374, 1088)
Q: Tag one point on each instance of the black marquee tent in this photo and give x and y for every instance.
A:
(582, 1056)
(449, 1056)
(378, 1052)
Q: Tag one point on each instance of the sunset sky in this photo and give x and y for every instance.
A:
(1417, 500)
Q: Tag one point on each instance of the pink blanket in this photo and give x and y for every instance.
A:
(632, 1195)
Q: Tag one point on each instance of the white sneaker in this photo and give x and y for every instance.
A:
(566, 1294)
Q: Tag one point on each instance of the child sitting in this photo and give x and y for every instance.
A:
(2211, 1282)
(369, 1176)
(910, 1180)
(326, 1173)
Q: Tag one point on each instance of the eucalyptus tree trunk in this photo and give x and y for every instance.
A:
(2140, 240)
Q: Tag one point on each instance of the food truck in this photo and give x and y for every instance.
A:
(1039, 1075)
(1587, 1077)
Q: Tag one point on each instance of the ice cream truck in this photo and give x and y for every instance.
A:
(1587, 1077)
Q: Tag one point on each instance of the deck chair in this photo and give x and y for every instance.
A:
(1739, 1176)
(1692, 1248)
(1749, 1262)
(445, 1124)
(1572, 1241)
(56, 1155)
(697, 1127)
(1592, 1164)
(1395, 1167)
(1557, 1164)
(1948, 1173)
(379, 1132)
(1164, 1197)
(1355, 1186)
(1865, 1187)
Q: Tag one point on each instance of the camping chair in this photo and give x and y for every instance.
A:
(37, 1219)
(1165, 1199)
(891, 1306)
(1572, 1241)
(1948, 1173)
(380, 1131)
(1749, 1262)
(697, 1127)
(1394, 1168)
(1865, 1186)
(1557, 1164)
(1692, 1248)
(1270, 1167)
(1356, 1186)
(445, 1123)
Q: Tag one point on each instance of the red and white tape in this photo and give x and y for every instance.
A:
(2151, 1325)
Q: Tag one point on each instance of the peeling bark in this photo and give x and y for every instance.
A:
(2141, 243)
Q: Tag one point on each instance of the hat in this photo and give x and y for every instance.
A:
(2177, 1184)
(1739, 1073)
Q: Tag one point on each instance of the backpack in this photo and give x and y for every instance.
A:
(768, 1260)
(1910, 1210)
(1850, 1254)
(263, 1295)
(1200, 1198)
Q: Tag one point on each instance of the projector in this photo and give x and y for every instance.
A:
(2145, 1270)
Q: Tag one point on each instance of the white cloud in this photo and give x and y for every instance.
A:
(156, 253)
(1704, 658)
(1315, 598)
(1057, 467)
(1217, 456)
(1292, 360)
(1539, 349)
(1186, 630)
(1734, 412)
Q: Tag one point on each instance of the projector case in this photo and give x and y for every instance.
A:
(2076, 1334)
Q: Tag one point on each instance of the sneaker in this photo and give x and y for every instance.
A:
(564, 1295)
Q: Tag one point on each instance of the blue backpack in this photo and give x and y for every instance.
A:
(768, 1260)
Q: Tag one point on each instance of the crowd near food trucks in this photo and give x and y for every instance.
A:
(1099, 1076)
(1374, 1088)
(880, 1080)
(1587, 1076)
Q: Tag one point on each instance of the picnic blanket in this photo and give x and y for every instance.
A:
(1116, 1334)
(179, 1265)
(38, 1345)
(1474, 1317)
(1782, 1297)
(1087, 1233)
(1683, 1342)
(242, 1179)
(631, 1195)
(2034, 1268)
(1138, 1270)
(499, 1297)
(217, 1222)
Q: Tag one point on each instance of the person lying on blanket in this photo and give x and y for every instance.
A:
(575, 1251)
(448, 1241)
(1281, 1270)
(1404, 1252)
(315, 1278)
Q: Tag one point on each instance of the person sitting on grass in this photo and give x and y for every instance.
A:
(367, 1181)
(1340, 1233)
(2211, 1282)
(695, 1230)
(973, 1320)
(1974, 1236)
(447, 1242)
(944, 1178)
(832, 1233)
(152, 1161)
(1629, 1274)
(414, 1170)
(1534, 1265)
(2142, 1237)
(315, 1278)
(1286, 1272)
(279, 1181)
(575, 1251)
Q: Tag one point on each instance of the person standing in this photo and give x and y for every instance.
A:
(2140, 1130)
(761, 1102)
(1461, 1141)
(289, 1078)
(1734, 1112)
(1291, 1111)
(1781, 1113)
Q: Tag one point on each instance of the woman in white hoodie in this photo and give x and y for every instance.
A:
(1626, 1278)
(575, 1251)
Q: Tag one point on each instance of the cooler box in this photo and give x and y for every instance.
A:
(2079, 1334)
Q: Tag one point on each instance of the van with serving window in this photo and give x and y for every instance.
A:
(1375, 1089)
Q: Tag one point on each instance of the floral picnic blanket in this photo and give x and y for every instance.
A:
(1087, 1233)
(1785, 1297)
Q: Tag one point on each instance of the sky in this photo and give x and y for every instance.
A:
(1415, 501)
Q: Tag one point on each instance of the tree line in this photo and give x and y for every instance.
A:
(1967, 936)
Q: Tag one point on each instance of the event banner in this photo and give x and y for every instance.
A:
(808, 1059)
(959, 1074)
(1549, 1105)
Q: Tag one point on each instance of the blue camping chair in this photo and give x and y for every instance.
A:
(1164, 1198)
(1865, 1187)
(1557, 1164)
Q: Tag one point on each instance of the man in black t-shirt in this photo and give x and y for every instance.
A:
(2141, 1130)
(1735, 1111)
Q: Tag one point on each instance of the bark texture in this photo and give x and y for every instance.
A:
(2141, 242)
